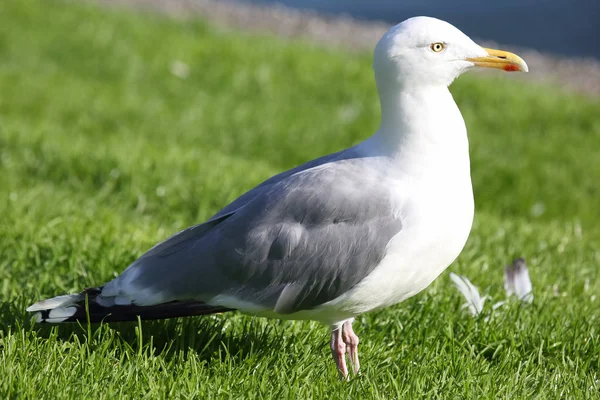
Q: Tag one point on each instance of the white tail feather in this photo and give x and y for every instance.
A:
(56, 302)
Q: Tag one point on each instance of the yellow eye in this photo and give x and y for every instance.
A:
(437, 47)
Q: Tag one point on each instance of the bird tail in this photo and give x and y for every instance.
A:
(88, 305)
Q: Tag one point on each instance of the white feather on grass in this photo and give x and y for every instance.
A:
(474, 300)
(517, 282)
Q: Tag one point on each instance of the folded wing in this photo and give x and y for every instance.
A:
(296, 243)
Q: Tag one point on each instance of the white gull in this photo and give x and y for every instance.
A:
(347, 233)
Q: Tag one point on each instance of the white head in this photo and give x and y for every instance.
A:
(427, 51)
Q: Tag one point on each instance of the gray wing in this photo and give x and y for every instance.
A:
(296, 243)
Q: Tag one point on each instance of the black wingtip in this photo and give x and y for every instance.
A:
(84, 307)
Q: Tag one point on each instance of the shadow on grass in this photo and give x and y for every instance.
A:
(212, 338)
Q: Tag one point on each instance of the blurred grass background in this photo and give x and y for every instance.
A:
(119, 128)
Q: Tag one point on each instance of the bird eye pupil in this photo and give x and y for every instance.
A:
(437, 47)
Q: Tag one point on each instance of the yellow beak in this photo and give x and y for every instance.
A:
(500, 59)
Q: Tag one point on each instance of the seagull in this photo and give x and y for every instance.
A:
(347, 233)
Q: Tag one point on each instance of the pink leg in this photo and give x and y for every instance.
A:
(351, 341)
(344, 339)
(338, 351)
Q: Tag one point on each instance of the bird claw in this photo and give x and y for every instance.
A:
(343, 339)
(351, 341)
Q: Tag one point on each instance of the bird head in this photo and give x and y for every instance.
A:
(427, 51)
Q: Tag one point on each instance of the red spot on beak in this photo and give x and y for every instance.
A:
(511, 68)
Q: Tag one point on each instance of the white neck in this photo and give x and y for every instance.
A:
(422, 127)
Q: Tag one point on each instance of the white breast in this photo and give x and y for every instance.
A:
(437, 216)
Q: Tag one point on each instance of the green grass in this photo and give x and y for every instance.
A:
(104, 151)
